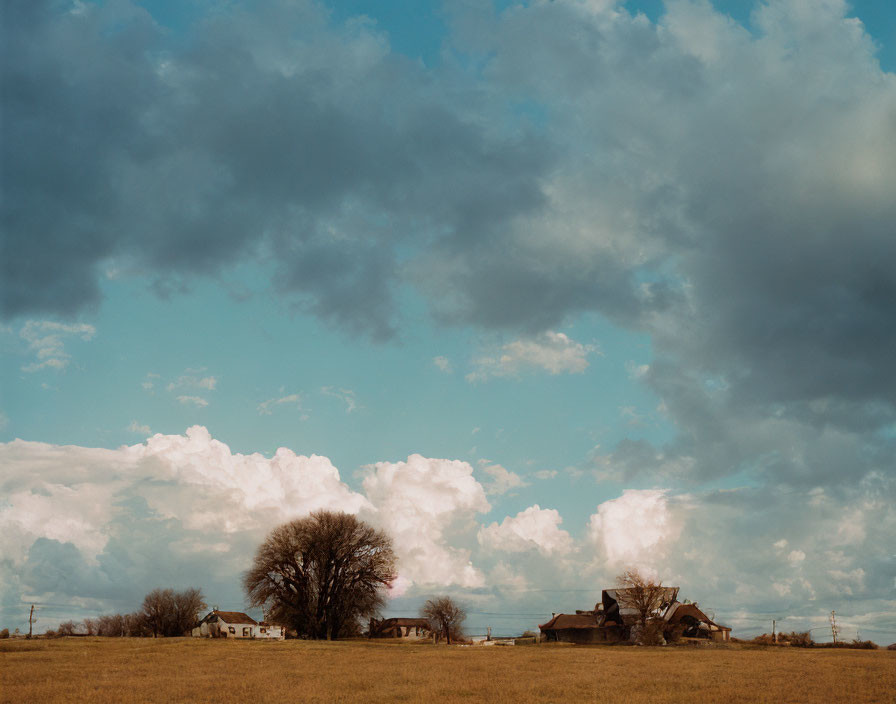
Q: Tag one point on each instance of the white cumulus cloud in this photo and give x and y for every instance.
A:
(633, 529)
(424, 504)
(535, 528)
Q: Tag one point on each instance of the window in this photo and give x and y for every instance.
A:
(263, 630)
(246, 630)
(231, 629)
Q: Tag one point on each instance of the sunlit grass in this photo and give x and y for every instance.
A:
(165, 670)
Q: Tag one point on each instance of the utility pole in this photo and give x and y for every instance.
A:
(774, 632)
(834, 630)
(30, 620)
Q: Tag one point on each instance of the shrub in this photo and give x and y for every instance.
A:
(673, 635)
(764, 639)
(649, 634)
(68, 628)
(4, 633)
(851, 645)
(800, 640)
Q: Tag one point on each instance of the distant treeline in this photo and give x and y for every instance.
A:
(164, 613)
(803, 639)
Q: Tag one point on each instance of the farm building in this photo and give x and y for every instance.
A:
(580, 627)
(695, 623)
(235, 624)
(407, 628)
(612, 620)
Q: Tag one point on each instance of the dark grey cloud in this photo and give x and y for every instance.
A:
(273, 133)
(729, 192)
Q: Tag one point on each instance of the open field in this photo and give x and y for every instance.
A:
(145, 670)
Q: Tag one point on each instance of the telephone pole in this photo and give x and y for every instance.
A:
(30, 620)
(834, 630)
(774, 632)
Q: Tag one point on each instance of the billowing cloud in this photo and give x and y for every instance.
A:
(176, 510)
(424, 504)
(553, 352)
(634, 529)
(534, 528)
(305, 172)
(94, 529)
(718, 187)
(45, 340)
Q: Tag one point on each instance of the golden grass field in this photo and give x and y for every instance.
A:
(180, 669)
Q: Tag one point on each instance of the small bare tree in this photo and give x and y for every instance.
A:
(445, 617)
(641, 594)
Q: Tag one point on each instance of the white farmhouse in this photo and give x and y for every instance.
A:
(235, 624)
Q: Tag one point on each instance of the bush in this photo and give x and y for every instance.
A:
(4, 633)
(68, 628)
(649, 634)
(673, 635)
(851, 645)
(799, 640)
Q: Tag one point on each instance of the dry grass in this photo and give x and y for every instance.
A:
(145, 670)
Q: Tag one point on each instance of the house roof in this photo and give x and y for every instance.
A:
(679, 611)
(404, 622)
(564, 621)
(234, 617)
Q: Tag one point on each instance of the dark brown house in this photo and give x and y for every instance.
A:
(612, 620)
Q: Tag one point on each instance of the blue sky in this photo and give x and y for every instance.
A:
(613, 271)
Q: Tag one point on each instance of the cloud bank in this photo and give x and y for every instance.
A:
(87, 530)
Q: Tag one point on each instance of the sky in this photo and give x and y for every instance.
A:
(545, 290)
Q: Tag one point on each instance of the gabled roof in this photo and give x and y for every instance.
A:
(422, 622)
(233, 617)
(679, 611)
(564, 621)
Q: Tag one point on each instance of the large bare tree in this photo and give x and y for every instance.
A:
(321, 574)
(445, 617)
(169, 613)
